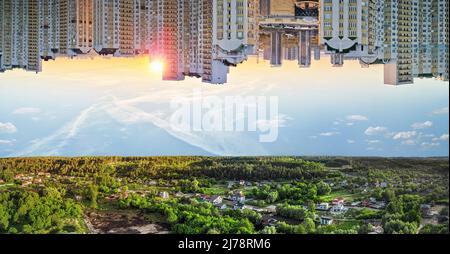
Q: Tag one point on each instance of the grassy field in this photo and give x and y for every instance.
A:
(340, 194)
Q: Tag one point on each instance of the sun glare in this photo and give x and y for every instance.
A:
(156, 66)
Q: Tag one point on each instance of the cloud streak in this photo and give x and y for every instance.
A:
(7, 128)
(26, 110)
(422, 125)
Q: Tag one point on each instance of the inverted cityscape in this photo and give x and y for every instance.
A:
(204, 38)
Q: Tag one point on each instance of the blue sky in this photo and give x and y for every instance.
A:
(119, 107)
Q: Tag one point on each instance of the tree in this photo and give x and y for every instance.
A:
(400, 227)
(323, 188)
(92, 195)
(272, 197)
(309, 225)
(388, 195)
(365, 229)
(269, 230)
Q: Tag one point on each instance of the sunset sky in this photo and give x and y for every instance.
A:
(120, 106)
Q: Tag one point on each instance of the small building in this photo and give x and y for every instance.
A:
(163, 194)
(356, 203)
(326, 221)
(426, 210)
(242, 182)
(383, 185)
(338, 209)
(338, 201)
(216, 200)
(323, 207)
(239, 197)
(271, 209)
(238, 206)
(26, 183)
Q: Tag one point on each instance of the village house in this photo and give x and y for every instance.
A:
(238, 206)
(323, 207)
(338, 201)
(203, 197)
(326, 220)
(216, 200)
(377, 230)
(426, 210)
(163, 194)
(339, 209)
(26, 183)
(271, 209)
(356, 203)
(238, 197)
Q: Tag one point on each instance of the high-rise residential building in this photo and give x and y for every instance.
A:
(439, 38)
(264, 8)
(144, 26)
(34, 62)
(76, 28)
(201, 38)
(415, 40)
(290, 53)
(50, 28)
(344, 27)
(304, 40)
(116, 26)
(276, 48)
(282, 8)
(253, 19)
(1, 36)
(21, 34)
(421, 41)
(408, 36)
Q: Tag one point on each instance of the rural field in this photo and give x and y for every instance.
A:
(224, 195)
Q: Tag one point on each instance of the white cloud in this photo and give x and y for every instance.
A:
(409, 142)
(428, 145)
(329, 134)
(351, 141)
(26, 110)
(357, 118)
(8, 128)
(441, 111)
(422, 125)
(372, 142)
(443, 137)
(405, 135)
(279, 122)
(6, 142)
(371, 131)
